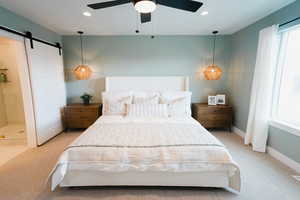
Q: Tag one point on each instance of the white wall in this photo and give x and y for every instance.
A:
(11, 92)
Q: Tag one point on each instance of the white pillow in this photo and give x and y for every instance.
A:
(146, 97)
(147, 110)
(179, 103)
(114, 103)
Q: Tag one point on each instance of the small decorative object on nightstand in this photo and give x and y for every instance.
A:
(213, 116)
(221, 99)
(212, 100)
(80, 115)
(86, 98)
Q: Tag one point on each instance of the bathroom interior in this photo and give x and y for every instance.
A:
(12, 117)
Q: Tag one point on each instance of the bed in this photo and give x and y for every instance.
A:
(120, 150)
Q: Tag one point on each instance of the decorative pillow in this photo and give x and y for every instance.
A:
(177, 108)
(179, 103)
(114, 103)
(147, 110)
(145, 98)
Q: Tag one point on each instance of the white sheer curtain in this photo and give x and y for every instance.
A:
(262, 89)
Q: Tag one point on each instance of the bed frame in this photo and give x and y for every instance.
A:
(193, 179)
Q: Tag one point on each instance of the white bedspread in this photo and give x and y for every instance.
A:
(118, 144)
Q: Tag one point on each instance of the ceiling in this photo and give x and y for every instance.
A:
(65, 17)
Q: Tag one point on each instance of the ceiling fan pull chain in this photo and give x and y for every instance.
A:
(153, 31)
(137, 23)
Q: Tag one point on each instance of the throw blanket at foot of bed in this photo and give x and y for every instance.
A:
(142, 147)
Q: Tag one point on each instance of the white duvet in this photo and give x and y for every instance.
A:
(118, 144)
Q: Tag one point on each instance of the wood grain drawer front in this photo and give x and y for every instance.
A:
(213, 116)
(81, 110)
(79, 123)
(222, 117)
(80, 116)
(214, 110)
(215, 123)
(83, 115)
(87, 123)
(83, 122)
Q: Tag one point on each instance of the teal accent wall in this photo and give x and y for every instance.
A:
(19, 23)
(240, 75)
(143, 56)
(285, 143)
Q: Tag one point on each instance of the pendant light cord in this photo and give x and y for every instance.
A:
(214, 49)
(81, 46)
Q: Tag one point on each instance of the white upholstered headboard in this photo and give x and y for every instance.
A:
(173, 83)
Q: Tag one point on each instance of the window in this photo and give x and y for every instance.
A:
(287, 89)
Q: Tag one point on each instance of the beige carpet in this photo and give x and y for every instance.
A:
(9, 151)
(23, 178)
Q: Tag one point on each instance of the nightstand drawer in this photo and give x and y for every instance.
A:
(213, 116)
(215, 123)
(81, 116)
(79, 123)
(81, 110)
(87, 123)
(214, 110)
(222, 116)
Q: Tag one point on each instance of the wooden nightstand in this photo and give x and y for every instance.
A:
(213, 116)
(81, 116)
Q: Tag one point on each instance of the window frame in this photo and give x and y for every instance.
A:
(275, 121)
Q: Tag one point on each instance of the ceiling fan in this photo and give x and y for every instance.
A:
(145, 7)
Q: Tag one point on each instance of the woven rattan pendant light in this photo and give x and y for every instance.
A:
(82, 72)
(213, 72)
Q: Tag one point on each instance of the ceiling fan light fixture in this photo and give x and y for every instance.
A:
(204, 13)
(145, 6)
(87, 14)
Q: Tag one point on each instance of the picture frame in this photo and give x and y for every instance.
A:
(221, 99)
(212, 100)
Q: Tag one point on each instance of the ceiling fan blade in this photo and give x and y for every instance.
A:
(108, 4)
(145, 17)
(187, 5)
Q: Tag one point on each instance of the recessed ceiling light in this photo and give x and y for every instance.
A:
(204, 13)
(87, 14)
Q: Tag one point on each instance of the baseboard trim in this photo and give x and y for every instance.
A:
(239, 132)
(274, 153)
(284, 159)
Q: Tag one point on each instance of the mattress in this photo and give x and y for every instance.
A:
(117, 144)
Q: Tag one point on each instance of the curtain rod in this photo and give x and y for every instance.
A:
(28, 35)
(283, 24)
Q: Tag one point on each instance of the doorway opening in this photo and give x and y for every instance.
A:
(13, 127)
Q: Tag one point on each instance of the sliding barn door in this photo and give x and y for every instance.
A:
(48, 89)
